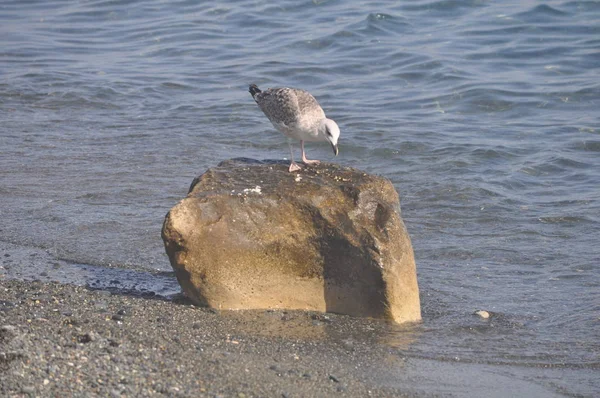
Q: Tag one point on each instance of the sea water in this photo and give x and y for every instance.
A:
(485, 116)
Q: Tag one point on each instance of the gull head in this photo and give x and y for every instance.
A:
(331, 132)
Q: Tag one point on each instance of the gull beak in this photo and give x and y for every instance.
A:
(335, 149)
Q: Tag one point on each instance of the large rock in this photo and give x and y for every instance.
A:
(251, 235)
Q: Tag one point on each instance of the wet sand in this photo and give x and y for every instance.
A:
(64, 340)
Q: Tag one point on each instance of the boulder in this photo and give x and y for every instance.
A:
(251, 235)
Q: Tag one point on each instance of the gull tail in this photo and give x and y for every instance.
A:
(254, 90)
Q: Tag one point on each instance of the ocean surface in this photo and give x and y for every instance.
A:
(485, 115)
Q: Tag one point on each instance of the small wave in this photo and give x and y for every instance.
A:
(492, 154)
(568, 163)
(444, 6)
(587, 145)
(541, 13)
(373, 17)
(380, 24)
(176, 86)
(562, 220)
(504, 34)
(580, 6)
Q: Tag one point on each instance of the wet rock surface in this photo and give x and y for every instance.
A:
(171, 348)
(252, 235)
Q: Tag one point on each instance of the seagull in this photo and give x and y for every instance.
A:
(298, 115)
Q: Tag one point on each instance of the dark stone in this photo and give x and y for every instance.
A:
(72, 322)
(85, 338)
(7, 333)
(6, 305)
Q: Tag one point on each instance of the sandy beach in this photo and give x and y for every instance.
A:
(64, 340)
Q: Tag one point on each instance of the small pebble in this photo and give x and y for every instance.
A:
(483, 314)
(7, 332)
(85, 338)
(334, 379)
(115, 393)
(321, 318)
(6, 304)
(348, 344)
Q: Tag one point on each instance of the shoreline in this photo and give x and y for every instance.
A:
(71, 324)
(66, 340)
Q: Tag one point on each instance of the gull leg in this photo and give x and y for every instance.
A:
(293, 166)
(307, 161)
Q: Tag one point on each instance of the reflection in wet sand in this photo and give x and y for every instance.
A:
(324, 327)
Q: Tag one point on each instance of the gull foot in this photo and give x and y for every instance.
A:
(294, 167)
(306, 161)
